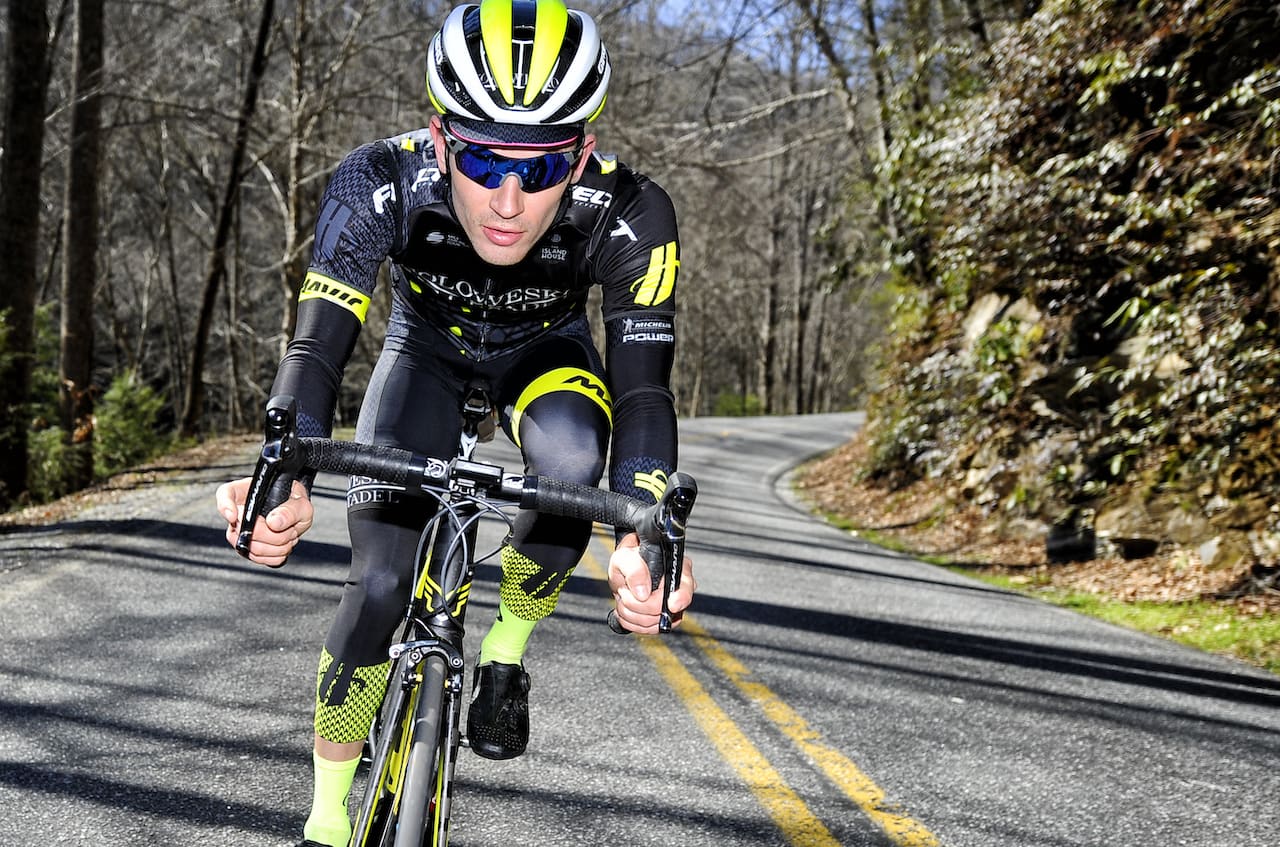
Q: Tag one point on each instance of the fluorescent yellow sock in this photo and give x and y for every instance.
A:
(507, 638)
(329, 822)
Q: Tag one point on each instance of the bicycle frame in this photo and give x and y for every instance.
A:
(417, 737)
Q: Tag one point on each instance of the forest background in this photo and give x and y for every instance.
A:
(1038, 242)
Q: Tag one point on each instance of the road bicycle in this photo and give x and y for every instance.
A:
(413, 746)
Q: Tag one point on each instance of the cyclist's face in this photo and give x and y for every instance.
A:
(504, 223)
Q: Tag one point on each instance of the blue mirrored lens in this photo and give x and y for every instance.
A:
(536, 174)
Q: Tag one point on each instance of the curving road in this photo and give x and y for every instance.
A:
(156, 690)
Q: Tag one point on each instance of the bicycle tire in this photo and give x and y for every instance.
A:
(422, 771)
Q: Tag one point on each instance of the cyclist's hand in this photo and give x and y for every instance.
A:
(637, 605)
(274, 536)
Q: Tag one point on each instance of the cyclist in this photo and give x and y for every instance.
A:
(497, 220)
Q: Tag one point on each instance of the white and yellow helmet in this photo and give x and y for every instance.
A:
(502, 69)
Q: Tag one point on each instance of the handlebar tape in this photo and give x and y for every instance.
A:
(386, 464)
(571, 500)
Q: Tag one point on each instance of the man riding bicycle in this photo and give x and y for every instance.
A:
(497, 219)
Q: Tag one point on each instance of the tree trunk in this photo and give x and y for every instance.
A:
(19, 232)
(80, 237)
(174, 334)
(193, 407)
(880, 74)
(296, 223)
(977, 23)
(770, 318)
(803, 294)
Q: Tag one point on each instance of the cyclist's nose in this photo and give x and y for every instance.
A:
(508, 198)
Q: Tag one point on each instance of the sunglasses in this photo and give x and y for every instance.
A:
(482, 165)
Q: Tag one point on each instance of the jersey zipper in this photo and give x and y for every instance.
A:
(483, 353)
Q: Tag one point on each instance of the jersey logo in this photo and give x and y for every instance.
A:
(382, 195)
(330, 225)
(655, 482)
(623, 228)
(586, 196)
(425, 175)
(319, 286)
(659, 281)
(478, 294)
(648, 331)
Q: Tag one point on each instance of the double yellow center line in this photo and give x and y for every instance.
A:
(787, 809)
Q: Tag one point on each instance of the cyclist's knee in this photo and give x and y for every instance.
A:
(383, 541)
(562, 424)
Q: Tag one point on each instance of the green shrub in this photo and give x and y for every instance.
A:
(733, 405)
(127, 425)
(51, 458)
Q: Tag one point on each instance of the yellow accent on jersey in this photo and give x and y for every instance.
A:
(496, 27)
(318, 286)
(408, 144)
(562, 379)
(660, 279)
(608, 162)
(551, 22)
(655, 482)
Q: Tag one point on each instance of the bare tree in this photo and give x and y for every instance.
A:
(732, 110)
(20, 160)
(193, 407)
(80, 239)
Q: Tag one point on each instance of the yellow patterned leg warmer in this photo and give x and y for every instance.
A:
(348, 698)
(528, 594)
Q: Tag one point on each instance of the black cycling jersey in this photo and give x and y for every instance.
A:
(389, 201)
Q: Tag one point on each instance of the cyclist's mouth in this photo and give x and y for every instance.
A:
(502, 237)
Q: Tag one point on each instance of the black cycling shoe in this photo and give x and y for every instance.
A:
(498, 720)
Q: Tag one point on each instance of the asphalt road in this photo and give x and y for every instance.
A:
(156, 690)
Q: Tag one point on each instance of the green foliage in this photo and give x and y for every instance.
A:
(50, 455)
(126, 423)
(126, 432)
(734, 405)
(44, 373)
(127, 428)
(1212, 625)
(50, 475)
(1114, 179)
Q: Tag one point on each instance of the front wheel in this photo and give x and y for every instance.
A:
(423, 777)
(376, 822)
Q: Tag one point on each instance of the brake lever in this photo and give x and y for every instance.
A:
(662, 545)
(672, 519)
(278, 462)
